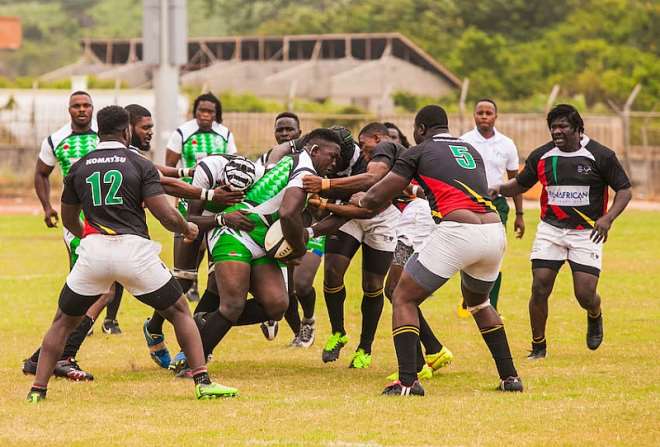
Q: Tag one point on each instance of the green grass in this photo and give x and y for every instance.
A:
(288, 397)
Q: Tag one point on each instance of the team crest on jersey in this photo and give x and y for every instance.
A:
(66, 147)
(583, 169)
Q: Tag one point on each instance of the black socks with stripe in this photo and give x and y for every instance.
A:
(406, 344)
(495, 338)
(334, 301)
(372, 308)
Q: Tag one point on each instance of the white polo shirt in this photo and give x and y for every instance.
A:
(499, 153)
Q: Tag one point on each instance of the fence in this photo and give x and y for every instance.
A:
(33, 116)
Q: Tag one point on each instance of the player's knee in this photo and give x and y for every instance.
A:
(540, 291)
(333, 275)
(231, 308)
(585, 296)
(277, 307)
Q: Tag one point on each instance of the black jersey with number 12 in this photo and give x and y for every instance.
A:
(110, 184)
(451, 172)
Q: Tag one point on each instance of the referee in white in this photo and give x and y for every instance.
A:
(500, 156)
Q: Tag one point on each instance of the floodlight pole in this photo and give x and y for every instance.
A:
(164, 47)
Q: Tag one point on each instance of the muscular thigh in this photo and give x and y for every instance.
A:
(267, 283)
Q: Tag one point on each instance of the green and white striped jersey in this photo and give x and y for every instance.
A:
(263, 199)
(64, 147)
(195, 144)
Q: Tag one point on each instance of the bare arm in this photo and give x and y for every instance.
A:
(381, 193)
(169, 217)
(277, 153)
(343, 209)
(172, 158)
(291, 209)
(519, 222)
(329, 225)
(42, 188)
(603, 225)
(71, 219)
(169, 171)
(376, 170)
(510, 188)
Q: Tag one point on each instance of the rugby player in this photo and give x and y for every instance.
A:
(413, 226)
(200, 137)
(304, 278)
(377, 237)
(110, 184)
(575, 173)
(469, 238)
(300, 280)
(500, 157)
(64, 147)
(241, 263)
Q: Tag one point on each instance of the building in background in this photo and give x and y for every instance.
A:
(352, 69)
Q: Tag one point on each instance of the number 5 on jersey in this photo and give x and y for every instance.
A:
(114, 179)
(463, 157)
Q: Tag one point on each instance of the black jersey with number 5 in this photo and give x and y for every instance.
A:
(110, 184)
(451, 172)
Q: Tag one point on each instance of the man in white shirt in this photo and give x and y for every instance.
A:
(500, 156)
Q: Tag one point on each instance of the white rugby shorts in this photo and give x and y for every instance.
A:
(130, 260)
(476, 249)
(379, 232)
(415, 224)
(561, 244)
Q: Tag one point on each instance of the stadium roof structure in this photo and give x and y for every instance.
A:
(358, 69)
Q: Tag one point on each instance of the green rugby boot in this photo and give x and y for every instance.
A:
(214, 390)
(333, 347)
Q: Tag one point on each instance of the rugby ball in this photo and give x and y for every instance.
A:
(276, 246)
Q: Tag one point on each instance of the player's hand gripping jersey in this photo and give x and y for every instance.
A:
(451, 172)
(574, 184)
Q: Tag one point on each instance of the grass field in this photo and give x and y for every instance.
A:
(289, 397)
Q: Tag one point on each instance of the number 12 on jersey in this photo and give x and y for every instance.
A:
(463, 157)
(112, 177)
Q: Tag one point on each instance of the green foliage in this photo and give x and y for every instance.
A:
(512, 50)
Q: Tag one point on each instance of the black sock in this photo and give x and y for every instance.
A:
(215, 328)
(420, 358)
(201, 376)
(406, 343)
(155, 325)
(308, 302)
(77, 337)
(372, 307)
(292, 316)
(209, 302)
(496, 340)
(334, 301)
(538, 343)
(431, 344)
(113, 306)
(253, 313)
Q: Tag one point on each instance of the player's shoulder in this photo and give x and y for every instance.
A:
(187, 129)
(542, 150)
(598, 150)
(55, 138)
(221, 130)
